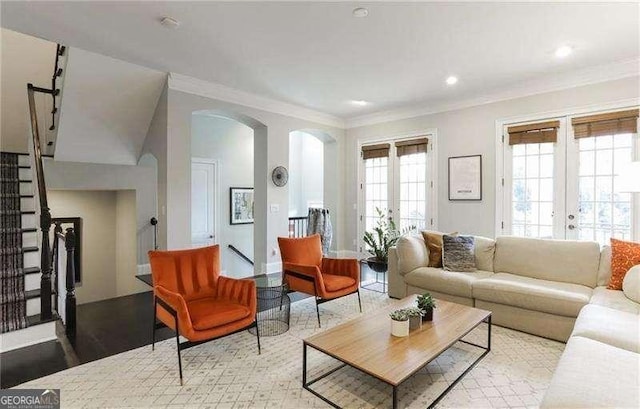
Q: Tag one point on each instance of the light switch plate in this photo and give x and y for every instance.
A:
(275, 208)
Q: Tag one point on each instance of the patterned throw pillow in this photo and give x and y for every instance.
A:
(433, 240)
(458, 253)
(624, 255)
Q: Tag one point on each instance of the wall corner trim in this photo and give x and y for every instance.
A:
(207, 89)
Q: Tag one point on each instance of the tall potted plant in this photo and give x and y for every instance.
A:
(378, 241)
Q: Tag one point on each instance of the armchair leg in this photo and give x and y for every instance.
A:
(258, 335)
(178, 348)
(318, 312)
(153, 331)
(359, 302)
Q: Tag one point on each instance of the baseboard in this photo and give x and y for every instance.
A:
(268, 268)
(28, 336)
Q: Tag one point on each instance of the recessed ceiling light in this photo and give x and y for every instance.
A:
(169, 22)
(563, 51)
(359, 102)
(360, 12)
(451, 80)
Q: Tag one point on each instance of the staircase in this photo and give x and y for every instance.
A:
(28, 297)
(22, 323)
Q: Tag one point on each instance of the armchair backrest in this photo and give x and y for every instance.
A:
(302, 250)
(191, 273)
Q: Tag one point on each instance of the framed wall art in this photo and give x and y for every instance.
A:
(465, 177)
(241, 205)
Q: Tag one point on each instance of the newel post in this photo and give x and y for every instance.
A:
(70, 277)
(45, 265)
(55, 256)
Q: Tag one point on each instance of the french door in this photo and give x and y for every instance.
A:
(397, 181)
(561, 178)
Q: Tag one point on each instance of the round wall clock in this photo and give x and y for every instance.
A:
(280, 176)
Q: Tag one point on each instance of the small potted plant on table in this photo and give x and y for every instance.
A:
(415, 317)
(426, 303)
(399, 323)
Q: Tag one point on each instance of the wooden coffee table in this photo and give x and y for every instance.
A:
(366, 343)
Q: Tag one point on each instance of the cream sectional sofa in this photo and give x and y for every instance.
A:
(551, 288)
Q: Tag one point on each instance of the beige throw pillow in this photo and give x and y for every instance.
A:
(433, 240)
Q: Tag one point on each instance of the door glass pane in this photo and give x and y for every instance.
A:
(413, 204)
(375, 190)
(604, 212)
(532, 190)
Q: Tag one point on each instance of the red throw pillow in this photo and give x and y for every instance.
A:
(624, 255)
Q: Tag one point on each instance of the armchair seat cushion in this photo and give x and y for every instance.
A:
(334, 282)
(207, 313)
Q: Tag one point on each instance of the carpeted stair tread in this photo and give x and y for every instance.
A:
(13, 308)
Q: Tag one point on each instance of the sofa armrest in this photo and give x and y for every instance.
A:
(348, 267)
(242, 291)
(397, 286)
(412, 253)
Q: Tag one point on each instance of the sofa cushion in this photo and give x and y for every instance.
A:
(613, 299)
(433, 240)
(538, 295)
(631, 284)
(592, 374)
(448, 282)
(412, 253)
(458, 253)
(485, 249)
(617, 328)
(554, 260)
(604, 270)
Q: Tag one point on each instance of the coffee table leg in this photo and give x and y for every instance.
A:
(304, 364)
(489, 333)
(395, 397)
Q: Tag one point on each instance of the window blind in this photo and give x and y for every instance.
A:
(376, 151)
(605, 124)
(418, 145)
(541, 132)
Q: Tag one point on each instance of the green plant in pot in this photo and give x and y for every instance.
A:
(399, 323)
(415, 317)
(378, 241)
(426, 303)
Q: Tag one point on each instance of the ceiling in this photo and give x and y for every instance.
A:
(317, 55)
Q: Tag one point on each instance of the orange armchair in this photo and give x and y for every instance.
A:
(192, 298)
(304, 269)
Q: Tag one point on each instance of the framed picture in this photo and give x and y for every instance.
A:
(465, 177)
(241, 205)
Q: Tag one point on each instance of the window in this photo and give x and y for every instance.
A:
(561, 181)
(397, 180)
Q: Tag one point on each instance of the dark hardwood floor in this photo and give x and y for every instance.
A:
(104, 328)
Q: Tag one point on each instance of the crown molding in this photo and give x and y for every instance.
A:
(190, 85)
(541, 85)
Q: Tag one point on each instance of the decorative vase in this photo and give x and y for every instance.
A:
(399, 328)
(415, 322)
(377, 265)
(428, 314)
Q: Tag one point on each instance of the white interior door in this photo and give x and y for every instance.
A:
(203, 204)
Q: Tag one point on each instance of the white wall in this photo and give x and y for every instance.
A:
(306, 172)
(89, 176)
(472, 131)
(23, 59)
(230, 143)
(271, 142)
(126, 249)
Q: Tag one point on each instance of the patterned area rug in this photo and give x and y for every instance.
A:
(13, 307)
(229, 373)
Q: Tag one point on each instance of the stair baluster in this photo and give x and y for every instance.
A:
(70, 280)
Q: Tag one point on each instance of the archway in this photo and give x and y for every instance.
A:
(227, 207)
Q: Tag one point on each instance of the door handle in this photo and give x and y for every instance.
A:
(571, 227)
(211, 236)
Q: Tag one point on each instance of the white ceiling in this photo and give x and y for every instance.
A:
(319, 56)
(107, 106)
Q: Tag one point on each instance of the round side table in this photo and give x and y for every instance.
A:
(273, 309)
